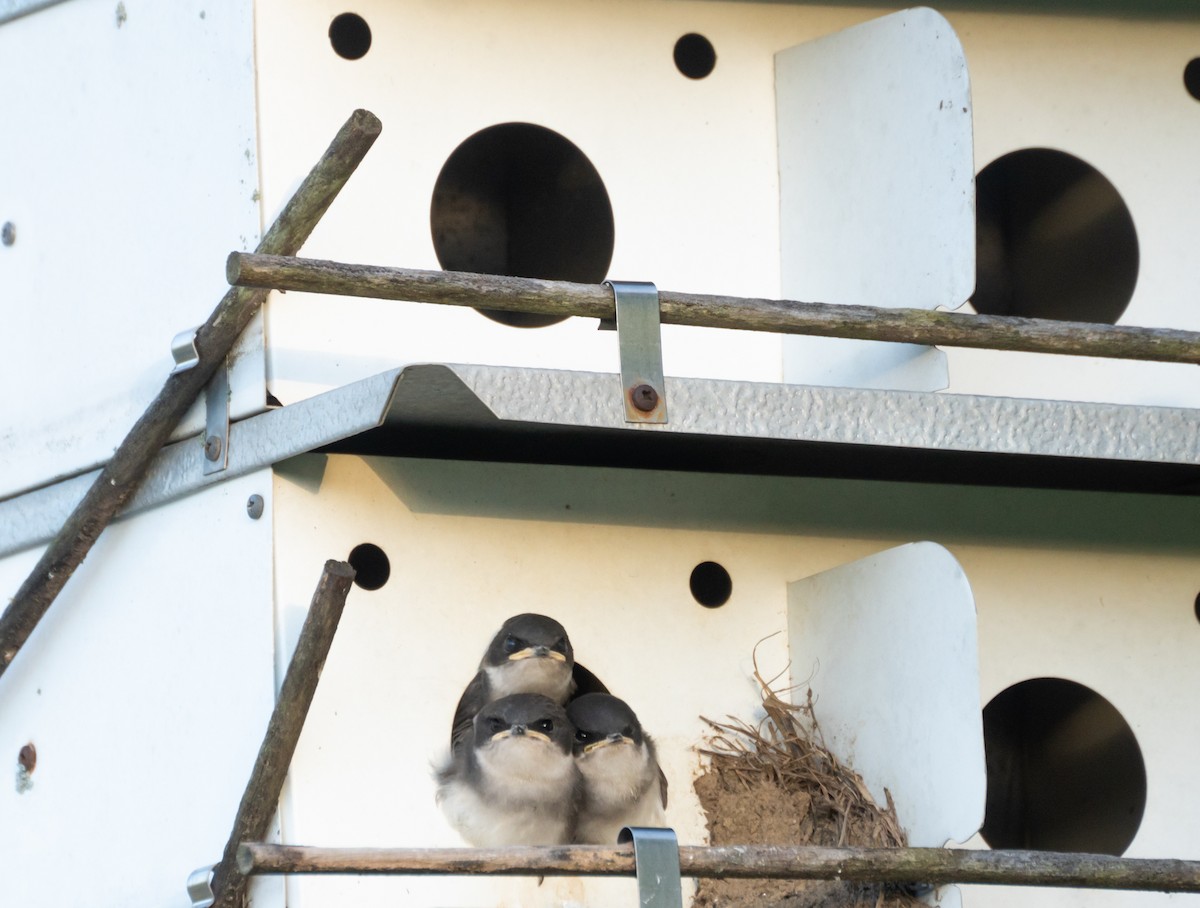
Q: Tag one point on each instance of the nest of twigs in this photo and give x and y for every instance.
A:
(776, 783)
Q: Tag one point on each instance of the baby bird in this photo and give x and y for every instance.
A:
(530, 654)
(623, 784)
(515, 781)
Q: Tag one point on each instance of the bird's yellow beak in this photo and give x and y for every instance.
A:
(605, 742)
(528, 733)
(529, 653)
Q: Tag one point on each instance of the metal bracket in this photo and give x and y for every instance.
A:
(216, 421)
(656, 859)
(183, 350)
(640, 343)
(199, 887)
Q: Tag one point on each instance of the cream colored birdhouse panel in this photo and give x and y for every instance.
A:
(513, 143)
(143, 694)
(611, 555)
(128, 173)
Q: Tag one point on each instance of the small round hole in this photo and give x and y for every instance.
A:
(711, 584)
(350, 36)
(371, 566)
(1064, 770)
(523, 201)
(695, 56)
(1191, 78)
(1054, 239)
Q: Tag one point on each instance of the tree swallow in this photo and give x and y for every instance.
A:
(515, 782)
(530, 654)
(623, 784)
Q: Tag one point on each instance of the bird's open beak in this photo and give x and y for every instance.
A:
(531, 652)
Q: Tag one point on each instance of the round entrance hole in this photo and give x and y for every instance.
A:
(350, 36)
(710, 584)
(371, 566)
(1064, 770)
(1054, 239)
(1191, 78)
(523, 201)
(695, 56)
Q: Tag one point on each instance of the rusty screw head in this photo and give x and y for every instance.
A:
(8, 233)
(644, 398)
(27, 757)
(212, 447)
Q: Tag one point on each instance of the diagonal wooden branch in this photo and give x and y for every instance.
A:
(261, 797)
(561, 298)
(903, 866)
(121, 477)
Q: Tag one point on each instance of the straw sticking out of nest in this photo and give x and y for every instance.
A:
(777, 783)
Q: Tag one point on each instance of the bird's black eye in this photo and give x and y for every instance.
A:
(584, 737)
(511, 644)
(496, 725)
(544, 725)
(627, 731)
(560, 645)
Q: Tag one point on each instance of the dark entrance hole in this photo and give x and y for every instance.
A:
(521, 200)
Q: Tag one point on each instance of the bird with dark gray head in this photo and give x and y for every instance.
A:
(515, 781)
(623, 784)
(530, 654)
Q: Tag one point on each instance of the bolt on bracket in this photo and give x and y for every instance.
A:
(639, 340)
(656, 860)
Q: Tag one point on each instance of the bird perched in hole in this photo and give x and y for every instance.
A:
(530, 654)
(623, 784)
(514, 782)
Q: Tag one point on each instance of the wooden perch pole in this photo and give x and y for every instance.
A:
(261, 797)
(913, 326)
(934, 866)
(214, 339)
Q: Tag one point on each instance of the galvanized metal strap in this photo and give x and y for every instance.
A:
(656, 859)
(640, 342)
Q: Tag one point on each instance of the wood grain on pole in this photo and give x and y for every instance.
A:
(261, 797)
(214, 339)
(562, 298)
(935, 866)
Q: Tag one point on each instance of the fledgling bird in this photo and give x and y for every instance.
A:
(515, 781)
(623, 784)
(530, 654)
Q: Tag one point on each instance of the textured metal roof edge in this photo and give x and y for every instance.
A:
(256, 442)
(852, 416)
(461, 395)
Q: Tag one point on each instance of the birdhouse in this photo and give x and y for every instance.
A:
(892, 501)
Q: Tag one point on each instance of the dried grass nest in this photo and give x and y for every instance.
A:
(776, 783)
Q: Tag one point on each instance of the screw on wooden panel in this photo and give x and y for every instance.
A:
(254, 506)
(8, 233)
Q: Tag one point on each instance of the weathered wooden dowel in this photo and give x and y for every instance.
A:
(261, 797)
(215, 338)
(916, 326)
(934, 866)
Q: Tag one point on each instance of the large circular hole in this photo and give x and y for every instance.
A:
(350, 36)
(371, 566)
(1054, 239)
(711, 584)
(1191, 78)
(695, 56)
(520, 200)
(1064, 771)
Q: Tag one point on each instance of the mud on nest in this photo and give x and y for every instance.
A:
(776, 783)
